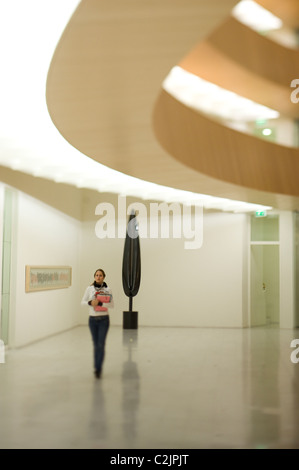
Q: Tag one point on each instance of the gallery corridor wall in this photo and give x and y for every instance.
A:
(42, 236)
(204, 287)
(179, 287)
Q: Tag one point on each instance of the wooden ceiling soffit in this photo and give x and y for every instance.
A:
(230, 72)
(286, 10)
(107, 71)
(223, 153)
(104, 79)
(255, 52)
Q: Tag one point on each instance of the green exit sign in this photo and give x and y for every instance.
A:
(260, 214)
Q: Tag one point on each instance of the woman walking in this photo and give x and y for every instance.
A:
(98, 296)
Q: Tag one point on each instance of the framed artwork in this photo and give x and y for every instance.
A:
(47, 277)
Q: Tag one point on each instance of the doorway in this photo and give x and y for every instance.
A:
(6, 264)
(264, 285)
(264, 271)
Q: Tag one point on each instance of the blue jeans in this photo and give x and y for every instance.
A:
(99, 328)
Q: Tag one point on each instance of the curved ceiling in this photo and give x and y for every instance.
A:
(287, 10)
(105, 79)
(239, 59)
(221, 152)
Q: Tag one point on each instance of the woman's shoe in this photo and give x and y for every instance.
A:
(97, 374)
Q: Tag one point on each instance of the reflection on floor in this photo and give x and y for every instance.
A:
(162, 388)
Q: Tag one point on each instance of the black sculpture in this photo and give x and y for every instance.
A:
(131, 270)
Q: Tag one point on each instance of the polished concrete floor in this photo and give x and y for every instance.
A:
(162, 388)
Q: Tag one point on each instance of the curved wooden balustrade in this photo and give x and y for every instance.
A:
(223, 153)
(287, 10)
(106, 74)
(241, 60)
(108, 68)
(256, 52)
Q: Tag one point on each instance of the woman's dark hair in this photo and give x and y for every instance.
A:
(102, 271)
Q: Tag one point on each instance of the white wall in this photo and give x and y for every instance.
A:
(43, 236)
(1, 243)
(287, 269)
(206, 287)
(179, 287)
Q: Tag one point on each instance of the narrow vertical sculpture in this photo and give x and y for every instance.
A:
(131, 270)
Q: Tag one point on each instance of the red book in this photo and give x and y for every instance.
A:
(105, 298)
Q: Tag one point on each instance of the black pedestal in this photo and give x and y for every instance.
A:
(130, 320)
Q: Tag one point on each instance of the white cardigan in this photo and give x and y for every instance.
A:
(90, 294)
